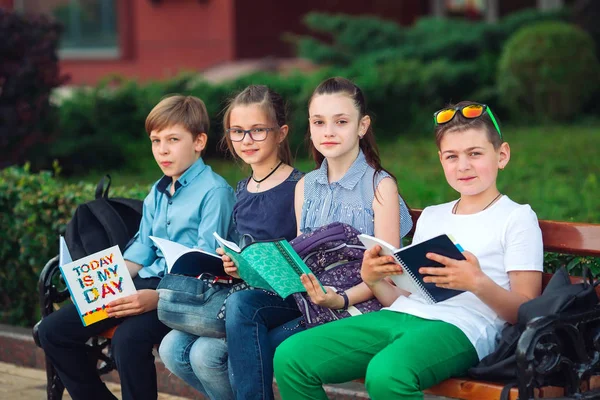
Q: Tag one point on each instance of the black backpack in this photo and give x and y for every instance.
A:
(102, 223)
(560, 295)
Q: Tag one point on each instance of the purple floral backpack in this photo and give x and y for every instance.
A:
(334, 254)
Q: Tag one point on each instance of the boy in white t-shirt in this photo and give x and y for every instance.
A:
(412, 345)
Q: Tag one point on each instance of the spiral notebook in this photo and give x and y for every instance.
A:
(412, 257)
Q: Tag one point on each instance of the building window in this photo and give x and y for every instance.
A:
(90, 26)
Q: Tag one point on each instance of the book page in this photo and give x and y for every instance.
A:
(96, 280)
(173, 250)
(403, 281)
(226, 243)
(64, 255)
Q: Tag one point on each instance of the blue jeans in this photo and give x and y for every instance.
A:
(279, 334)
(250, 315)
(200, 361)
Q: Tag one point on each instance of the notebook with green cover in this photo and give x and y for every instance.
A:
(270, 264)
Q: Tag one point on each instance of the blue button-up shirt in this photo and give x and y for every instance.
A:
(349, 200)
(201, 204)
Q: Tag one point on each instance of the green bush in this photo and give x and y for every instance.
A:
(103, 127)
(574, 264)
(549, 71)
(341, 39)
(34, 211)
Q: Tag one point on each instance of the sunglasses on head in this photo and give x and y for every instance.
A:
(470, 111)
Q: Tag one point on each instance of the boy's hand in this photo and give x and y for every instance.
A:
(143, 301)
(330, 299)
(375, 267)
(457, 274)
(228, 264)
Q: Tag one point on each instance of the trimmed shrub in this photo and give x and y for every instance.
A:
(548, 70)
(34, 211)
(28, 72)
(341, 39)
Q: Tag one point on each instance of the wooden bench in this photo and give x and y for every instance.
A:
(539, 355)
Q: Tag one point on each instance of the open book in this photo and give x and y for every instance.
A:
(95, 280)
(412, 257)
(270, 264)
(182, 260)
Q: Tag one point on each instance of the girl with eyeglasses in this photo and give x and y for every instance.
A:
(412, 345)
(256, 132)
(348, 186)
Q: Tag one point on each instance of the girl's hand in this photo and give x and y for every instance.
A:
(228, 264)
(143, 301)
(375, 267)
(330, 299)
(457, 274)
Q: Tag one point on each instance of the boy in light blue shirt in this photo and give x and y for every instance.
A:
(186, 206)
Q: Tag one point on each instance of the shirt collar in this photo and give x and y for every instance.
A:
(351, 177)
(188, 176)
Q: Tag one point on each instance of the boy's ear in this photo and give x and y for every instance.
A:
(283, 132)
(503, 155)
(200, 142)
(440, 155)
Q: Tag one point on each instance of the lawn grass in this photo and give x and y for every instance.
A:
(555, 169)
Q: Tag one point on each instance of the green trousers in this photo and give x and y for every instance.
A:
(399, 355)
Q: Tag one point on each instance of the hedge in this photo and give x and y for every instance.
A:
(34, 211)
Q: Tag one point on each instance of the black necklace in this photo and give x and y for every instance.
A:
(484, 208)
(258, 181)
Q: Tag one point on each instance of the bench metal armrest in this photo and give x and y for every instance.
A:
(560, 350)
(48, 293)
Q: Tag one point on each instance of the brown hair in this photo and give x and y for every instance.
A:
(187, 111)
(460, 123)
(367, 144)
(271, 103)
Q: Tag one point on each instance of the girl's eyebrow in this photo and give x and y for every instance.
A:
(335, 115)
(253, 125)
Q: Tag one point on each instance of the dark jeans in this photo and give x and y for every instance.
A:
(250, 315)
(63, 338)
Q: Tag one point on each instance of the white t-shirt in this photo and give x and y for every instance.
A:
(505, 237)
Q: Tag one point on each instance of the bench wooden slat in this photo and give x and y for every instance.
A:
(477, 390)
(571, 238)
(109, 332)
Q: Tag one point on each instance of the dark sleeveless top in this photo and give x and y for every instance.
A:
(266, 215)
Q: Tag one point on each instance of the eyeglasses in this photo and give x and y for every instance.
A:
(256, 134)
(470, 111)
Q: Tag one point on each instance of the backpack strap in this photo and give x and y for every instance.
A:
(100, 187)
(111, 221)
(505, 393)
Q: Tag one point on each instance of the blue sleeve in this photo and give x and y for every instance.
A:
(406, 222)
(216, 215)
(140, 250)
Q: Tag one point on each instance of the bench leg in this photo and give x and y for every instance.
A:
(54, 386)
